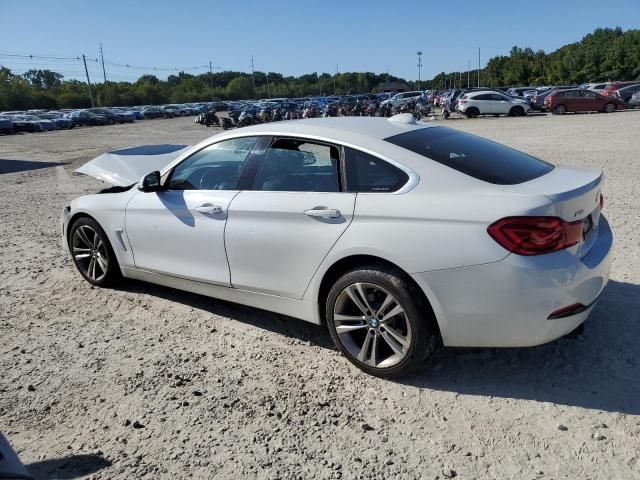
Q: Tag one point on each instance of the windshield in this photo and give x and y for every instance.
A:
(474, 156)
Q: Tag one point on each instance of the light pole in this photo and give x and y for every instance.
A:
(419, 66)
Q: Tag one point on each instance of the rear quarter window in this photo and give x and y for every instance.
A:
(473, 156)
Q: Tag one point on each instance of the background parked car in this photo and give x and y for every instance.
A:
(86, 118)
(401, 98)
(579, 100)
(22, 123)
(59, 121)
(612, 87)
(491, 103)
(625, 93)
(635, 100)
(6, 126)
(156, 112)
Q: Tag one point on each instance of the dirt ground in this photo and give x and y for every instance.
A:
(148, 382)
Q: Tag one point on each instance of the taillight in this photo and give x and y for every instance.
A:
(601, 201)
(535, 235)
(462, 101)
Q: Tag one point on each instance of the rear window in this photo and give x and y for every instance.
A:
(474, 156)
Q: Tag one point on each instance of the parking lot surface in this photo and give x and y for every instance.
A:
(148, 382)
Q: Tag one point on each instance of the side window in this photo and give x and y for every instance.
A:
(497, 97)
(216, 167)
(485, 96)
(588, 94)
(366, 173)
(292, 165)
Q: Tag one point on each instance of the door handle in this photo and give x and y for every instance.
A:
(323, 212)
(208, 208)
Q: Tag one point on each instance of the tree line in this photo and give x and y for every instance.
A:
(605, 54)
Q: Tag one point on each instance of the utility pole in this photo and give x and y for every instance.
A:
(419, 66)
(253, 74)
(468, 69)
(211, 78)
(86, 70)
(478, 66)
(268, 89)
(104, 72)
(334, 80)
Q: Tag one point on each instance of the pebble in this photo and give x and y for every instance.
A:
(449, 472)
(562, 428)
(31, 388)
(598, 436)
(366, 427)
(137, 424)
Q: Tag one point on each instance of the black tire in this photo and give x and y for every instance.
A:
(559, 109)
(111, 275)
(472, 112)
(111, 121)
(609, 108)
(516, 112)
(415, 321)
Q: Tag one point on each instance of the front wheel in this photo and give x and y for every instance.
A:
(375, 321)
(609, 108)
(92, 253)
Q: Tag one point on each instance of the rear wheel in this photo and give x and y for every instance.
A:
(472, 112)
(516, 112)
(92, 253)
(375, 321)
(609, 108)
(559, 109)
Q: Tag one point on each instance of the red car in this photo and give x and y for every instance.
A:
(610, 89)
(579, 100)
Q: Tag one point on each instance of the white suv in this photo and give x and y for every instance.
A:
(491, 103)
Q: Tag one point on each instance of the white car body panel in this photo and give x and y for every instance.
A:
(166, 229)
(262, 250)
(273, 247)
(125, 166)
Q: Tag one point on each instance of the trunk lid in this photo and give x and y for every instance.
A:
(126, 166)
(576, 196)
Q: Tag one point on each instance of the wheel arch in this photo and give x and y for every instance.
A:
(345, 264)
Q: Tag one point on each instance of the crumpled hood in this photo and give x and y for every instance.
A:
(126, 166)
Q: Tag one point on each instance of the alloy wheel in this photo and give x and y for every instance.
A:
(372, 325)
(90, 253)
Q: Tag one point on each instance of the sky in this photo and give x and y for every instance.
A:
(290, 37)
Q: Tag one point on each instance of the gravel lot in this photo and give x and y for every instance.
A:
(147, 382)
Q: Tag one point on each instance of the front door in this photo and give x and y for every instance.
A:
(180, 231)
(279, 232)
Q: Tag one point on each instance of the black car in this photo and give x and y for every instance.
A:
(21, 124)
(625, 93)
(155, 112)
(87, 118)
(111, 116)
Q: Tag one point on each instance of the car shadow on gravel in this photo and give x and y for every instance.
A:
(14, 166)
(66, 468)
(598, 369)
(276, 323)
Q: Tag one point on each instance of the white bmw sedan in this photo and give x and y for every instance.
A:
(399, 236)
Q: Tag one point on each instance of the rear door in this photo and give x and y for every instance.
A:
(590, 101)
(279, 231)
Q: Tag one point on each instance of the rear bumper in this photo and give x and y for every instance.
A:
(508, 303)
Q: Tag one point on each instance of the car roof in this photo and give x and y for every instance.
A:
(341, 128)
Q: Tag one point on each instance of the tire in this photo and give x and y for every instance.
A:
(401, 341)
(609, 108)
(111, 121)
(182, 114)
(94, 258)
(472, 112)
(559, 110)
(516, 112)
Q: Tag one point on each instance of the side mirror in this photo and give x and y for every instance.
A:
(150, 182)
